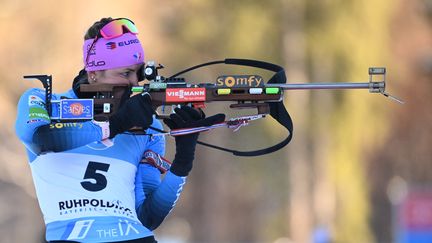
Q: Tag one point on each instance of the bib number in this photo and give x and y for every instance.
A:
(94, 180)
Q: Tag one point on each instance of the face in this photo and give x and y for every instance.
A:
(124, 75)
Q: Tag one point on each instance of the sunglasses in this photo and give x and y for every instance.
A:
(116, 27)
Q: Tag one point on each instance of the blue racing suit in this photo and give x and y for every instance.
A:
(89, 189)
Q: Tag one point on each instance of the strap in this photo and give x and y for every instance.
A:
(277, 109)
(156, 160)
(280, 114)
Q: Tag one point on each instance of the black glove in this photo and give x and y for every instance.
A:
(136, 111)
(187, 117)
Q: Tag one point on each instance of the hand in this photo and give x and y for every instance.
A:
(136, 111)
(187, 117)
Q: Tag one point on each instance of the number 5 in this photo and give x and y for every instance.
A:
(101, 181)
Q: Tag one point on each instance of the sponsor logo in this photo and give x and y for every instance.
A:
(34, 120)
(80, 229)
(93, 205)
(96, 63)
(35, 101)
(38, 113)
(111, 45)
(66, 125)
(76, 109)
(185, 94)
(240, 81)
(38, 103)
(128, 42)
(124, 227)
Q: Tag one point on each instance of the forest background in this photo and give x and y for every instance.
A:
(354, 156)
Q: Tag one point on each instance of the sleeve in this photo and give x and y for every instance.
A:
(148, 177)
(159, 203)
(155, 198)
(34, 128)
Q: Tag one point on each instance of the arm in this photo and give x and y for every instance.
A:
(34, 128)
(155, 198)
(160, 202)
(58, 137)
(148, 177)
(157, 204)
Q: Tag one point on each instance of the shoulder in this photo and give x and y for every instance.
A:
(34, 93)
(32, 98)
(35, 97)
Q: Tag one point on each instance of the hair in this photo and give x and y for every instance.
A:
(82, 77)
(94, 30)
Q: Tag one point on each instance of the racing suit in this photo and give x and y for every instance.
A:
(90, 189)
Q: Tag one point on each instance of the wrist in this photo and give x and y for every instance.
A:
(185, 144)
(105, 128)
(115, 124)
(184, 156)
(181, 168)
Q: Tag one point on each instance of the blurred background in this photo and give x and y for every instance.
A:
(359, 166)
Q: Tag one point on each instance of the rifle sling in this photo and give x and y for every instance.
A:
(280, 114)
(277, 109)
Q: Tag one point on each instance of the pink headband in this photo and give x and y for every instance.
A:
(122, 51)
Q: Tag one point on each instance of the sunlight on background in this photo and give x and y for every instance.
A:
(354, 159)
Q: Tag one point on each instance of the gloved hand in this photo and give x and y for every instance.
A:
(136, 111)
(187, 117)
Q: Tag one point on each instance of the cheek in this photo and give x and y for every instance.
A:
(118, 93)
(134, 79)
(116, 80)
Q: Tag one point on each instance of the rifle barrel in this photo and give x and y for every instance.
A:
(299, 86)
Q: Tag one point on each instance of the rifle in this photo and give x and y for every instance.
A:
(242, 91)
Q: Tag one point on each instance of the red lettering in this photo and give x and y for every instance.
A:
(185, 94)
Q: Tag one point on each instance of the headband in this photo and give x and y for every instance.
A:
(122, 51)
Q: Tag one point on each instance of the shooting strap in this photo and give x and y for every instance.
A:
(277, 109)
(280, 114)
(156, 160)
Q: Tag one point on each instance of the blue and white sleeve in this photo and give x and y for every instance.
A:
(156, 198)
(34, 128)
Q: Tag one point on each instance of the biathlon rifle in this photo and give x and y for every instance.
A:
(242, 91)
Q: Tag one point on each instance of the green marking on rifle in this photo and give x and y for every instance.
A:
(272, 90)
(137, 89)
(224, 91)
(158, 85)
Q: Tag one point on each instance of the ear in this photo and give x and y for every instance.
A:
(91, 76)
